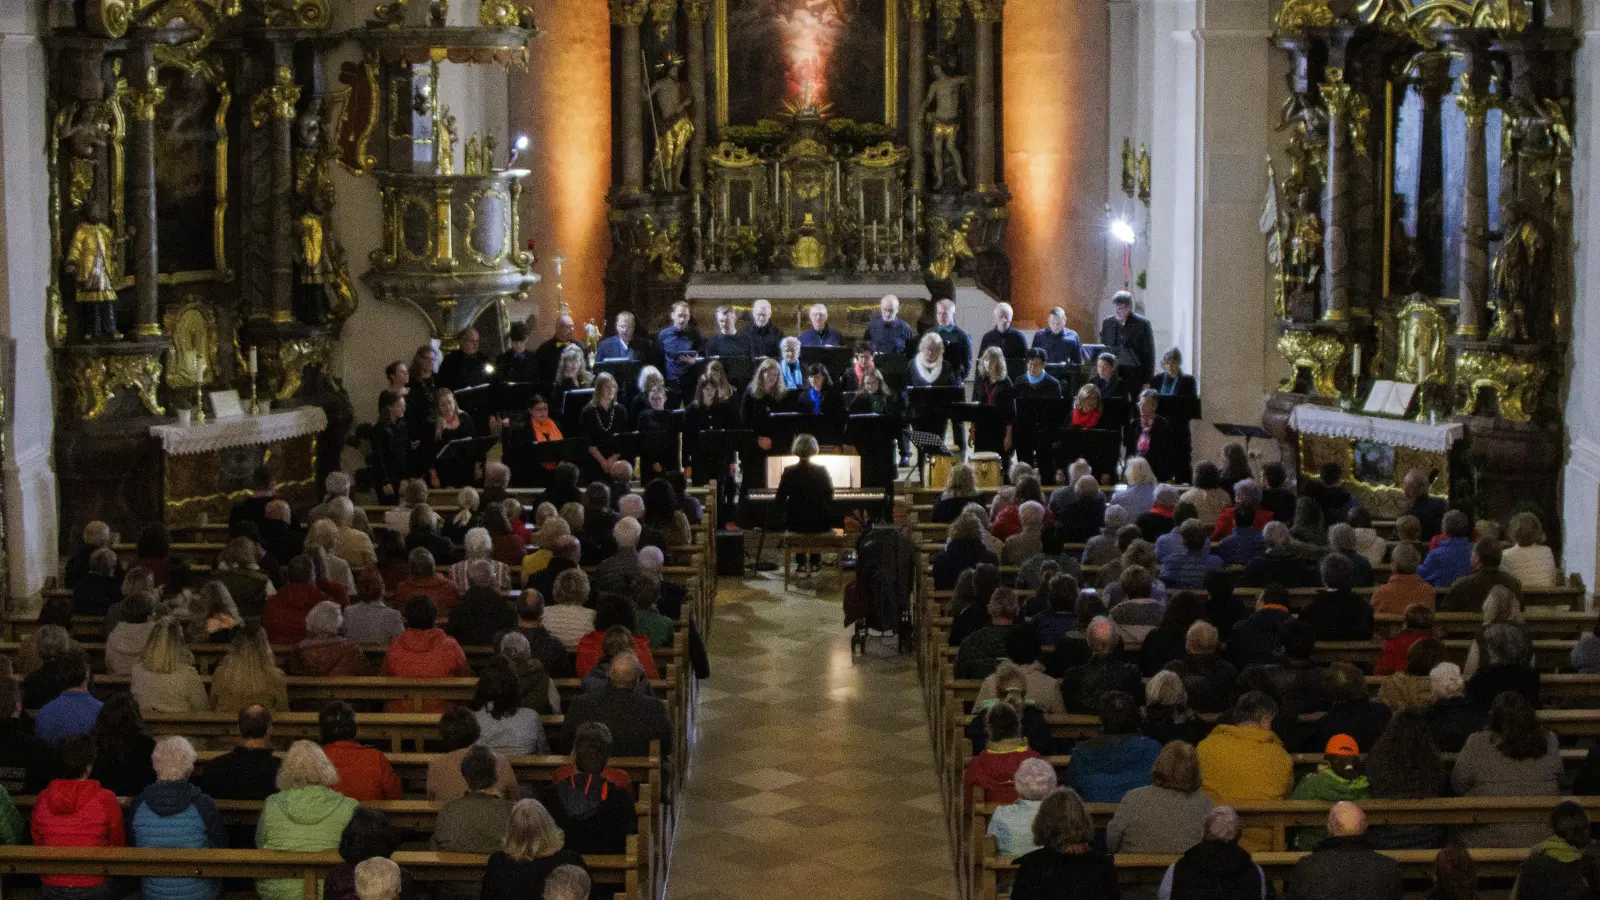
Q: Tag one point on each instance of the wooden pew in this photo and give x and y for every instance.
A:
(417, 691)
(620, 870)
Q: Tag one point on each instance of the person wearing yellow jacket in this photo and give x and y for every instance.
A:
(1246, 763)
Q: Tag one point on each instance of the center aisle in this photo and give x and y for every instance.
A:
(812, 775)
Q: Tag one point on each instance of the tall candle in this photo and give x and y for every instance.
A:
(1355, 362)
(1422, 368)
(252, 361)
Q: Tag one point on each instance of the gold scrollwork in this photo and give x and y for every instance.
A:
(1500, 15)
(949, 245)
(1342, 99)
(297, 14)
(276, 102)
(917, 10)
(475, 202)
(627, 13)
(1317, 353)
(1422, 336)
(882, 156)
(145, 99)
(193, 328)
(96, 379)
(108, 18)
(1474, 105)
(1295, 16)
(1515, 382)
(728, 155)
(293, 358)
(661, 246)
(949, 16)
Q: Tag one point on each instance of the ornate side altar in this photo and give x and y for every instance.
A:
(1398, 257)
(207, 466)
(803, 140)
(189, 147)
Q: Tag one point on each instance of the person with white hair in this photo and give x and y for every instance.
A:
(1025, 544)
(324, 536)
(764, 334)
(305, 815)
(353, 544)
(615, 575)
(1011, 826)
(819, 334)
(377, 878)
(1159, 520)
(1454, 716)
(1140, 493)
(805, 494)
(478, 545)
(1103, 547)
(96, 536)
(887, 332)
(567, 883)
(1217, 866)
(1011, 342)
(173, 814)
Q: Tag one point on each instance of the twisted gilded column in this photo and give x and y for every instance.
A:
(626, 15)
(274, 109)
(1346, 111)
(1473, 283)
(988, 14)
(695, 12)
(916, 85)
(145, 94)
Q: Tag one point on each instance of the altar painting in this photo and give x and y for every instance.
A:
(776, 56)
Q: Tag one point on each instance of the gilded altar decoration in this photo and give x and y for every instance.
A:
(1475, 105)
(1341, 99)
(146, 98)
(807, 252)
(1515, 383)
(296, 13)
(293, 359)
(1130, 168)
(505, 14)
(662, 13)
(1422, 353)
(1506, 16)
(108, 18)
(1316, 352)
(1515, 275)
(96, 380)
(674, 130)
(950, 245)
(942, 110)
(728, 155)
(627, 13)
(358, 115)
(276, 102)
(88, 260)
(949, 16)
(1144, 175)
(1295, 16)
(661, 247)
(193, 330)
(444, 142)
(83, 131)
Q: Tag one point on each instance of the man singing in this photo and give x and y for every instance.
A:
(1008, 339)
(889, 333)
(680, 346)
(728, 341)
(622, 344)
(1132, 332)
(1059, 343)
(820, 335)
(763, 334)
(548, 356)
(464, 366)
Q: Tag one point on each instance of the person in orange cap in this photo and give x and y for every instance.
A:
(1341, 776)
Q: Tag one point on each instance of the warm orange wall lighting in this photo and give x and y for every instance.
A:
(1055, 138)
(563, 105)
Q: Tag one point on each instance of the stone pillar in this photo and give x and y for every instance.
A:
(1473, 282)
(1339, 98)
(626, 15)
(695, 12)
(916, 86)
(146, 94)
(274, 110)
(987, 14)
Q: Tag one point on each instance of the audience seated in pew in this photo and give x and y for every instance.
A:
(1340, 777)
(568, 617)
(1217, 866)
(1345, 864)
(248, 771)
(478, 819)
(1351, 710)
(248, 674)
(1207, 678)
(1452, 557)
(483, 611)
(174, 813)
(423, 651)
(1067, 863)
(1469, 592)
(1167, 815)
(1119, 759)
(982, 649)
(1104, 671)
(595, 814)
(164, 678)
(75, 810)
(305, 814)
(458, 730)
(994, 768)
(365, 774)
(1412, 686)
(74, 710)
(367, 837)
(1514, 756)
(1336, 613)
(634, 719)
(1014, 689)
(504, 724)
(534, 851)
(542, 645)
(1279, 563)
(1022, 646)
(1529, 560)
(1011, 826)
(426, 581)
(325, 652)
(1244, 762)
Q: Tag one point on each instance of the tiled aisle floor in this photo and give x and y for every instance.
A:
(813, 775)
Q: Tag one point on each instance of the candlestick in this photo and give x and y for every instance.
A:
(252, 362)
(838, 177)
(1355, 364)
(199, 392)
(1422, 368)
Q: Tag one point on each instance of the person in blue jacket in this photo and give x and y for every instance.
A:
(1116, 761)
(174, 814)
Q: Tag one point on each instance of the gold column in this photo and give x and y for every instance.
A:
(1474, 271)
(695, 12)
(145, 95)
(1342, 103)
(987, 13)
(916, 84)
(627, 14)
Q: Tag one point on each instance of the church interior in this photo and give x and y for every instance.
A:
(981, 327)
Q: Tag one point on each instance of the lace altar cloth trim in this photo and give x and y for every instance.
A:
(1335, 423)
(218, 434)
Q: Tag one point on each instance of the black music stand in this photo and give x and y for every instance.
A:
(659, 446)
(837, 360)
(1178, 409)
(1242, 431)
(1038, 419)
(572, 450)
(715, 451)
(572, 404)
(894, 369)
(513, 396)
(874, 438)
(1015, 366)
(786, 425)
(739, 369)
(1069, 374)
(625, 371)
(1114, 413)
(478, 400)
(470, 449)
(1101, 448)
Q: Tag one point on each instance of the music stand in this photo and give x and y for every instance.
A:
(1015, 366)
(1114, 413)
(785, 425)
(837, 360)
(470, 449)
(572, 404)
(513, 396)
(572, 450)
(1069, 374)
(1037, 421)
(739, 369)
(1178, 409)
(1242, 431)
(625, 371)
(894, 369)
(1101, 448)
(478, 400)
(933, 400)
(715, 451)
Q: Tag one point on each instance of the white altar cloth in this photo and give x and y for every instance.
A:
(1327, 422)
(217, 434)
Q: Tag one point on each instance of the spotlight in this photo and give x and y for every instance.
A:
(1122, 231)
(518, 147)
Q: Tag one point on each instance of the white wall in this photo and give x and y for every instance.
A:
(30, 488)
(1581, 479)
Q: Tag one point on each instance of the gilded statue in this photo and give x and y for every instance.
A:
(84, 138)
(1129, 167)
(807, 252)
(324, 291)
(675, 129)
(445, 142)
(1302, 258)
(942, 110)
(1144, 175)
(89, 262)
(950, 245)
(663, 248)
(1515, 276)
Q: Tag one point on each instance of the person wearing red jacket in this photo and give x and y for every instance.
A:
(364, 772)
(593, 647)
(995, 768)
(77, 812)
(285, 615)
(423, 651)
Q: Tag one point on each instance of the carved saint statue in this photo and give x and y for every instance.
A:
(1515, 275)
(943, 111)
(89, 262)
(1303, 259)
(314, 255)
(675, 129)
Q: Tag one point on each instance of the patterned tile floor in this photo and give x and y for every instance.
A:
(812, 776)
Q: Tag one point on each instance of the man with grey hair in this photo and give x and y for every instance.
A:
(174, 814)
(1217, 866)
(1246, 492)
(565, 553)
(96, 535)
(1011, 342)
(566, 882)
(1342, 540)
(1428, 509)
(482, 612)
(1102, 548)
(1029, 542)
(631, 506)
(1158, 521)
(616, 574)
(888, 333)
(354, 544)
(819, 334)
(1278, 564)
(1345, 864)
(1454, 716)
(1083, 686)
(620, 474)
(1208, 679)
(377, 878)
(634, 718)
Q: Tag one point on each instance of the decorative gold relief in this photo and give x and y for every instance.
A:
(662, 13)
(728, 155)
(949, 245)
(882, 156)
(1295, 16)
(297, 14)
(96, 379)
(661, 246)
(276, 102)
(193, 328)
(1318, 353)
(695, 11)
(949, 16)
(293, 358)
(145, 99)
(1423, 332)
(1516, 383)
(1500, 15)
(1343, 100)
(987, 11)
(1475, 106)
(627, 13)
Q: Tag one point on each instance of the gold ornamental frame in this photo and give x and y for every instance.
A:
(1385, 500)
(208, 72)
(891, 63)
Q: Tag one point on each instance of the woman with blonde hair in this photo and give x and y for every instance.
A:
(165, 679)
(601, 422)
(479, 545)
(413, 493)
(324, 535)
(572, 370)
(1500, 607)
(467, 515)
(248, 674)
(573, 514)
(960, 489)
(1529, 559)
(964, 548)
(535, 846)
(451, 423)
(1140, 494)
(991, 387)
(1169, 815)
(1086, 407)
(306, 815)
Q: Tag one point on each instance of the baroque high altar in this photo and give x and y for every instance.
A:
(1419, 230)
(840, 141)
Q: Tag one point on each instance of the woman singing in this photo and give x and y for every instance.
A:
(765, 396)
(993, 389)
(708, 413)
(865, 362)
(649, 377)
(793, 373)
(657, 419)
(602, 421)
(877, 453)
(420, 411)
(1086, 407)
(1172, 382)
(389, 462)
(537, 428)
(451, 424)
(719, 377)
(929, 370)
